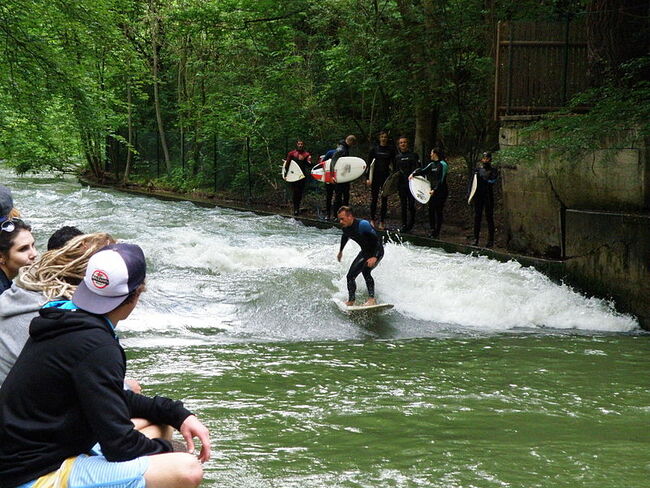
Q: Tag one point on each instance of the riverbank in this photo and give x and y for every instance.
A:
(455, 236)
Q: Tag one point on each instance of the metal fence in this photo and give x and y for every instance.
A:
(539, 66)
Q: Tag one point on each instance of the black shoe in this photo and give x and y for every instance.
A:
(475, 243)
(434, 235)
(489, 244)
(296, 212)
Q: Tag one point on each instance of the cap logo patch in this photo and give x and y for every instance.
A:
(100, 279)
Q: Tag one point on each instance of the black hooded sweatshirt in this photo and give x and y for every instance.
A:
(65, 393)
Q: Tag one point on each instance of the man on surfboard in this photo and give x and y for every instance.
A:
(372, 250)
(303, 159)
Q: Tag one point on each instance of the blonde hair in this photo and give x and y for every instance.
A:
(13, 214)
(58, 272)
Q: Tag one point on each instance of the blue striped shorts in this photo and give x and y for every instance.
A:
(96, 472)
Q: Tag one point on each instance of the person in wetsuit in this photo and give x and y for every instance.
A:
(371, 253)
(342, 190)
(436, 172)
(329, 187)
(406, 162)
(484, 197)
(303, 159)
(381, 159)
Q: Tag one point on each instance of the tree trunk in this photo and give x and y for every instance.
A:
(129, 153)
(155, 46)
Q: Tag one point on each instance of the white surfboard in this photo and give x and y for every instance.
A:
(371, 171)
(363, 308)
(293, 173)
(349, 168)
(346, 169)
(472, 191)
(420, 188)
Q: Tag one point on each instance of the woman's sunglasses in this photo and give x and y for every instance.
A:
(8, 225)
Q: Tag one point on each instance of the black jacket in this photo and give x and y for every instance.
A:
(65, 393)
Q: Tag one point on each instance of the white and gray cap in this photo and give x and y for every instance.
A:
(113, 272)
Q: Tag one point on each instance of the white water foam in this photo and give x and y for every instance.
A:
(477, 292)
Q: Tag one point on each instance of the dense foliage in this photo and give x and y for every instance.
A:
(192, 90)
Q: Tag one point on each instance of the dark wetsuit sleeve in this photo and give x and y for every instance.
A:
(372, 239)
(344, 241)
(424, 171)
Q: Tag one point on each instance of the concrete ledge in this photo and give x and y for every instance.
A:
(552, 268)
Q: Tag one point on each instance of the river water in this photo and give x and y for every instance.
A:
(485, 374)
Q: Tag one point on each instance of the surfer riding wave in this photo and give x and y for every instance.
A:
(372, 251)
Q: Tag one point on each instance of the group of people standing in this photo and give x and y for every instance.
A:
(389, 169)
(68, 415)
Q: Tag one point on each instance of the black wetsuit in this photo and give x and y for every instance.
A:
(341, 190)
(363, 234)
(484, 200)
(298, 187)
(406, 163)
(436, 172)
(383, 157)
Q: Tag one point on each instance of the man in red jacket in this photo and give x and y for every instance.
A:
(303, 159)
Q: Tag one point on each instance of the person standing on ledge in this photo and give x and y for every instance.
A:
(342, 190)
(65, 394)
(406, 162)
(436, 172)
(303, 159)
(486, 177)
(371, 253)
(380, 160)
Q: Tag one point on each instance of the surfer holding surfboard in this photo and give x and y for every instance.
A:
(380, 159)
(302, 158)
(485, 176)
(342, 190)
(436, 171)
(372, 251)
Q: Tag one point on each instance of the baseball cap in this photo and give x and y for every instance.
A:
(6, 201)
(487, 154)
(112, 273)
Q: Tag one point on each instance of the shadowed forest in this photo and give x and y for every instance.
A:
(202, 94)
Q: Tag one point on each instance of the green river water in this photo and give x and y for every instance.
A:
(485, 374)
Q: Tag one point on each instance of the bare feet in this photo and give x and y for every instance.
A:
(370, 301)
(349, 303)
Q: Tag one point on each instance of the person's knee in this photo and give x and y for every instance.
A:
(174, 470)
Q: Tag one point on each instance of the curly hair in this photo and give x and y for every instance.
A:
(58, 272)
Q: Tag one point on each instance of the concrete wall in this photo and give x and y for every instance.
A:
(608, 255)
(593, 212)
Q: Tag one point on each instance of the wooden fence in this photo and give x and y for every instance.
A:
(539, 66)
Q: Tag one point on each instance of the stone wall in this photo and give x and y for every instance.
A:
(593, 212)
